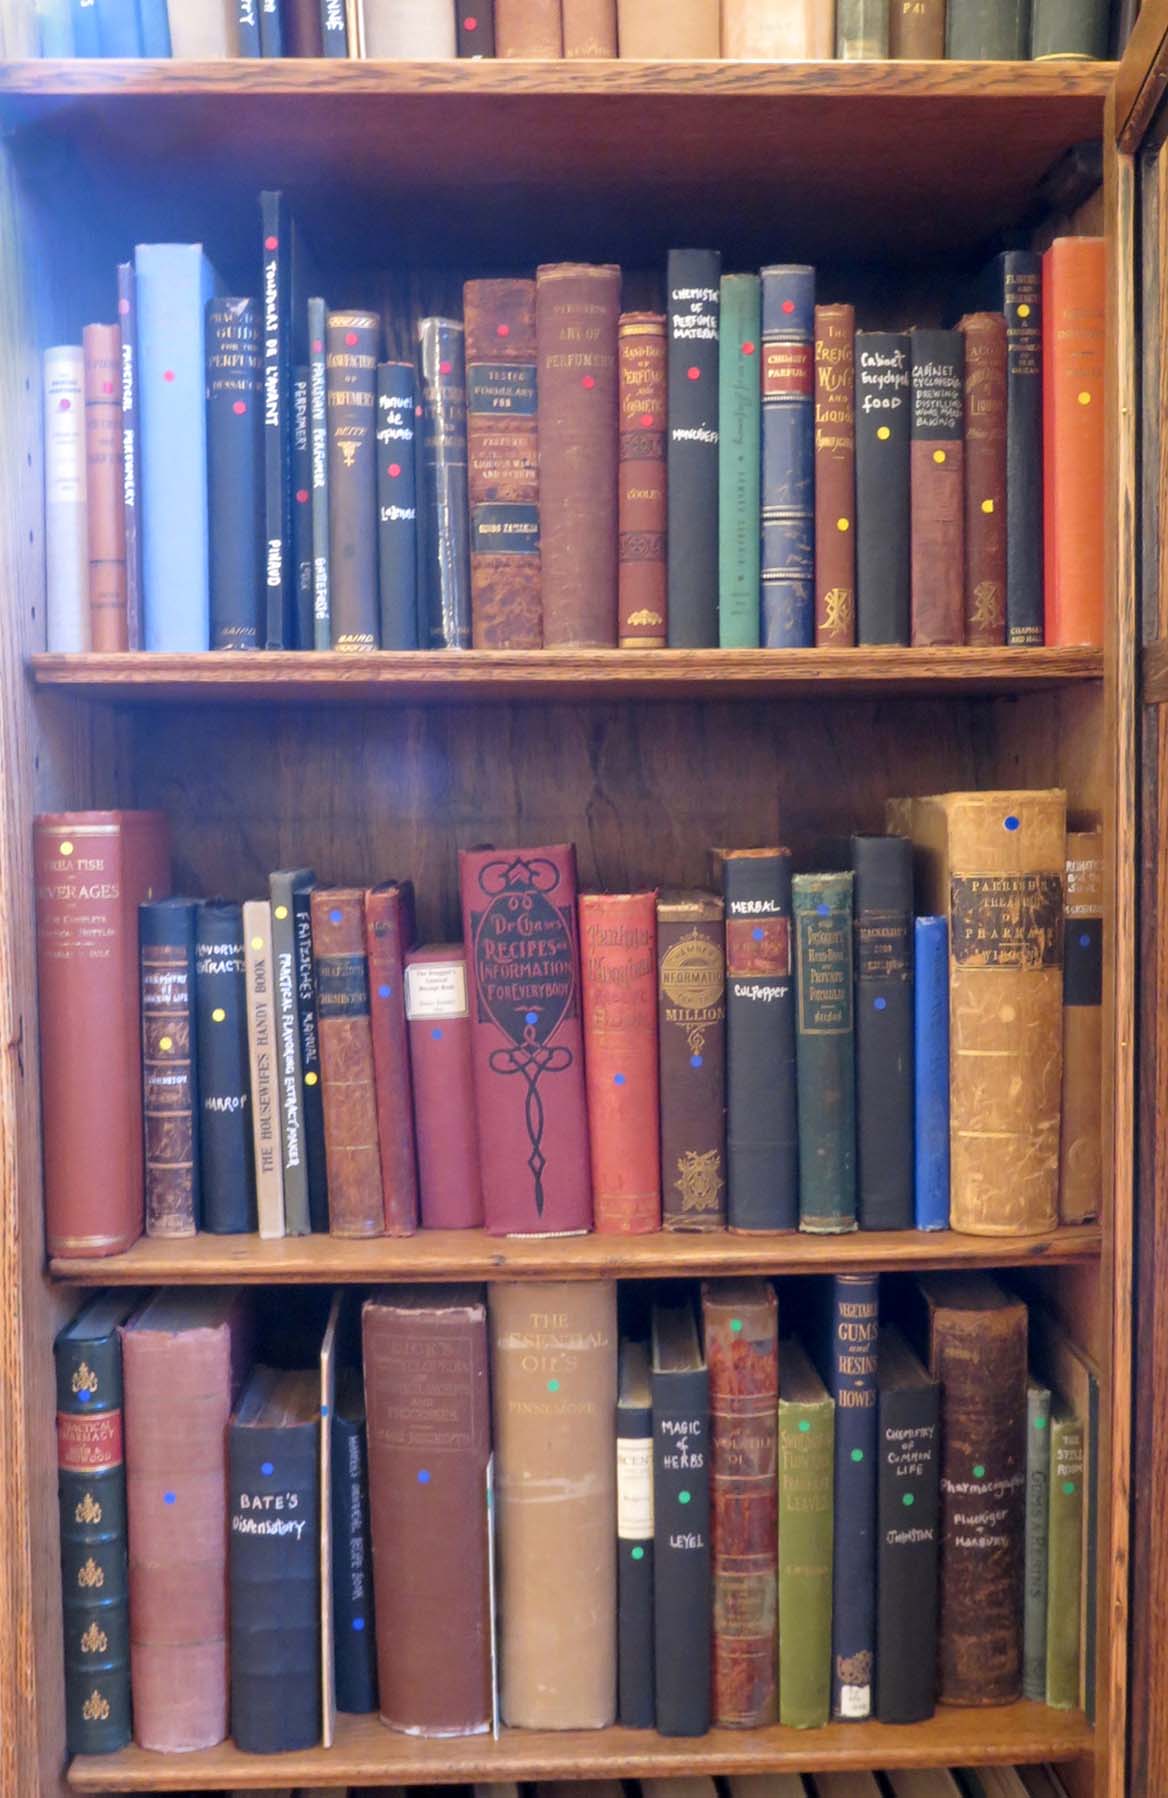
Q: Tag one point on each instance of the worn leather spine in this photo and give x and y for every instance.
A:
(825, 1050)
(1073, 356)
(692, 304)
(102, 349)
(1018, 291)
(352, 414)
(908, 1451)
(788, 457)
(389, 933)
(861, 30)
(987, 30)
(916, 29)
(691, 971)
(235, 424)
(346, 1063)
(589, 28)
(502, 426)
(739, 471)
(642, 503)
(441, 1063)
(778, 30)
(806, 1531)
(618, 995)
(937, 473)
(855, 1312)
(884, 1031)
(166, 934)
(679, 30)
(443, 536)
(883, 413)
(835, 476)
(1080, 1157)
(225, 1135)
(261, 1049)
(985, 477)
(528, 28)
(683, 1591)
(397, 504)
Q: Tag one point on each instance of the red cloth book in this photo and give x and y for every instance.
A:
(438, 1017)
(618, 984)
(1074, 281)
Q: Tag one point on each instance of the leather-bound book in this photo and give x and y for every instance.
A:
(835, 476)
(274, 1503)
(937, 473)
(778, 30)
(788, 457)
(691, 1014)
(589, 28)
(692, 294)
(825, 1050)
(92, 870)
(931, 1073)
(882, 487)
(988, 31)
(166, 936)
(1077, 28)
(409, 29)
(527, 1038)
(528, 28)
(739, 472)
(576, 310)
(476, 29)
(302, 28)
(235, 423)
(318, 449)
(683, 1613)
(1035, 1555)
(1065, 1552)
(91, 1485)
(262, 1063)
(554, 1389)
(346, 1062)
(312, 1098)
(1080, 1158)
(502, 431)
(286, 886)
(642, 504)
(884, 1031)
(1074, 281)
(851, 1371)
(741, 1324)
(985, 477)
(634, 1538)
(443, 539)
(861, 30)
(427, 1401)
(441, 1061)
(102, 349)
(225, 1136)
(907, 1499)
(1016, 286)
(352, 438)
(67, 624)
(977, 1354)
(669, 30)
(806, 1511)
(354, 1611)
(397, 504)
(389, 933)
(303, 570)
(916, 29)
(618, 993)
(181, 1360)
(131, 451)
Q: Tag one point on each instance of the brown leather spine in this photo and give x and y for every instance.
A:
(168, 1088)
(428, 1411)
(835, 476)
(302, 25)
(103, 474)
(618, 987)
(985, 477)
(1080, 1159)
(92, 870)
(502, 428)
(389, 932)
(669, 30)
(642, 580)
(351, 341)
(691, 971)
(916, 30)
(778, 30)
(528, 28)
(577, 306)
(589, 27)
(441, 1062)
(742, 1354)
(352, 1155)
(937, 488)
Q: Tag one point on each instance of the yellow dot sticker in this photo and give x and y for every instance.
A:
(938, 456)
(310, 1079)
(257, 942)
(1084, 398)
(987, 505)
(218, 1015)
(66, 847)
(281, 911)
(843, 524)
(1024, 310)
(884, 432)
(166, 1042)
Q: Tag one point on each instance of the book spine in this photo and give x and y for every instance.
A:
(577, 307)
(739, 473)
(131, 451)
(618, 992)
(916, 30)
(322, 635)
(824, 1051)
(351, 340)
(247, 27)
(761, 1135)
(806, 1473)
(800, 31)
(118, 28)
(852, 1367)
(86, 32)
(235, 473)
(861, 30)
(1065, 1566)
(271, 27)
(931, 1073)
(502, 428)
(788, 457)
(884, 1031)
(303, 573)
(312, 1094)
(685, 30)
(289, 1068)
(589, 28)
(528, 28)
(683, 1593)
(155, 28)
(1080, 1140)
(1035, 1553)
(634, 1531)
(691, 1016)
(693, 281)
(276, 235)
(226, 1150)
(262, 1054)
(835, 475)
(389, 928)
(416, 29)
(166, 932)
(346, 1063)
(906, 1553)
(476, 29)
(441, 1060)
(333, 29)
(988, 31)
(302, 32)
(397, 504)
(883, 409)
(642, 579)
(355, 1637)
(985, 477)
(105, 515)
(54, 19)
(1074, 351)
(1078, 28)
(200, 33)
(67, 625)
(444, 543)
(937, 482)
(1021, 295)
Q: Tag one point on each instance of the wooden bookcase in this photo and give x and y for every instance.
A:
(895, 179)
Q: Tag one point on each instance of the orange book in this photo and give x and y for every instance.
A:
(618, 981)
(1073, 288)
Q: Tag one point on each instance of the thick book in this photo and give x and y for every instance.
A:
(1074, 282)
(529, 28)
(589, 27)
(656, 30)
(397, 504)
(1035, 1544)
(882, 932)
(739, 473)
(312, 1096)
(554, 1389)
(352, 339)
(351, 1545)
(907, 1501)
(985, 477)
(476, 29)
(389, 934)
(683, 1612)
(131, 451)
(286, 886)
(303, 573)
(987, 31)
(741, 1324)
(692, 304)
(263, 1065)
(1081, 1144)
(642, 508)
(788, 456)
(883, 414)
(861, 30)
(1073, 28)
(427, 1400)
(91, 1486)
(92, 870)
(66, 526)
(450, 1191)
(527, 1038)
(502, 431)
(226, 1152)
(931, 1073)
(618, 996)
(691, 1017)
(916, 30)
(274, 1502)
(166, 937)
(318, 452)
(409, 29)
(1065, 1551)
(1016, 291)
(235, 426)
(835, 476)
(851, 1368)
(443, 530)
(346, 1062)
(778, 30)
(806, 1528)
(577, 306)
(937, 486)
(104, 511)
(825, 1050)
(636, 1707)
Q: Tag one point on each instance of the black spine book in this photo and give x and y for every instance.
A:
(318, 446)
(444, 571)
(170, 1122)
(313, 1093)
(351, 343)
(225, 1130)
(271, 28)
(286, 885)
(354, 1635)
(235, 436)
(683, 1599)
(988, 31)
(277, 265)
(1018, 294)
(855, 1306)
(247, 27)
(131, 453)
(302, 509)
(634, 1529)
(693, 279)
(334, 34)
(882, 929)
(761, 1128)
(476, 27)
(92, 1494)
(906, 1535)
(397, 504)
(882, 487)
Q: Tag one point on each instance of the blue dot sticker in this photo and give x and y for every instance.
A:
(423, 1476)
(358, 1624)
(618, 1079)
(385, 992)
(758, 933)
(823, 908)
(695, 1061)
(436, 1033)
(83, 1398)
(880, 1004)
(336, 915)
(267, 1469)
(168, 1498)
(324, 1410)
(532, 1017)
(1011, 823)
(1085, 940)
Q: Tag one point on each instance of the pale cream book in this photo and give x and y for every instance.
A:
(669, 30)
(202, 30)
(66, 522)
(261, 1049)
(767, 1785)
(778, 30)
(410, 30)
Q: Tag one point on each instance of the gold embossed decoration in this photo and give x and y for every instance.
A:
(699, 1180)
(88, 1511)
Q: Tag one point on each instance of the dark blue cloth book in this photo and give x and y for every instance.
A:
(931, 1073)
(247, 26)
(271, 28)
(788, 457)
(354, 1652)
(851, 1370)
(333, 31)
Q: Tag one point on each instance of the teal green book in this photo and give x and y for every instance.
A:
(1037, 1526)
(739, 414)
(1064, 1577)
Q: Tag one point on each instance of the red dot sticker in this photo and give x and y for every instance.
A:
(788, 305)
(317, 346)
(646, 421)
(502, 330)
(444, 368)
(748, 348)
(588, 383)
(695, 374)
(271, 243)
(169, 375)
(471, 24)
(123, 307)
(107, 387)
(64, 406)
(417, 412)
(393, 470)
(351, 339)
(302, 496)
(239, 408)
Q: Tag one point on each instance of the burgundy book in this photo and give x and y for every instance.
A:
(937, 487)
(835, 476)
(389, 932)
(438, 1017)
(642, 581)
(344, 1032)
(93, 870)
(985, 477)
(502, 430)
(618, 992)
(302, 28)
(105, 506)
(691, 1011)
(519, 922)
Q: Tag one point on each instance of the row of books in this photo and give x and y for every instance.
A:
(914, 1782)
(746, 468)
(721, 1524)
(771, 1053)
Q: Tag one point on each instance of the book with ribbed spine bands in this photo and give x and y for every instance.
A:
(346, 1062)
(642, 593)
(389, 934)
(618, 979)
(937, 483)
(985, 477)
(102, 349)
(166, 935)
(788, 456)
(502, 427)
(691, 971)
(352, 340)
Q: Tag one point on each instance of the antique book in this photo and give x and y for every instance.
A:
(131, 451)
(1065, 1552)
(682, 1588)
(302, 28)
(788, 457)
(1036, 1540)
(533, 1131)
(641, 499)
(389, 933)
(589, 27)
(1063, 1365)
(806, 1513)
(740, 1329)
(67, 625)
(985, 477)
(825, 1050)
(92, 869)
(854, 1322)
(835, 476)
(916, 29)
(1077, 28)
(276, 248)
(235, 424)
(166, 937)
(351, 1545)
(428, 1406)
(931, 1073)
(937, 484)
(882, 932)
(618, 996)
(883, 411)
(692, 295)
(200, 30)
(346, 1062)
(634, 1537)
(861, 30)
(303, 573)
(476, 29)
(318, 449)
(1080, 1153)
(285, 887)
(502, 430)
(669, 29)
(1016, 291)
(691, 1014)
(907, 1498)
(397, 504)
(443, 539)
(352, 339)
(442, 1065)
(312, 1097)
(778, 31)
(528, 28)
(226, 1153)
(576, 311)
(987, 31)
(404, 29)
(554, 1389)
(1073, 291)
(263, 1065)
(102, 351)
(739, 472)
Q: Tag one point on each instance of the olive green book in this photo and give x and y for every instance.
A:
(1037, 1545)
(739, 471)
(806, 1486)
(825, 1061)
(1064, 1557)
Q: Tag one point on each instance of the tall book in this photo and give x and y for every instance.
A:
(835, 475)
(655, 29)
(861, 30)
(1081, 1148)
(589, 27)
(92, 870)
(427, 1400)
(776, 31)
(851, 1368)
(691, 1014)
(476, 29)
(1036, 1540)
(739, 427)
(806, 1474)
(443, 541)
(683, 1592)
(131, 451)
(450, 1188)
(825, 1050)
(67, 626)
(235, 424)
(354, 1612)
(788, 456)
(985, 477)
(931, 1073)
(554, 1389)
(916, 30)
(533, 1131)
(884, 1031)
(318, 450)
(166, 936)
(1075, 28)
(634, 1531)
(988, 31)
(937, 482)
(529, 28)
(1074, 280)
(226, 1152)
(1065, 1551)
(1016, 290)
(502, 427)
(312, 1097)
(303, 571)
(1072, 1373)
(642, 575)
(907, 1500)
(397, 504)
(692, 295)
(389, 933)
(618, 996)
(883, 415)
(352, 338)
(276, 266)
(346, 1062)
(262, 1062)
(286, 886)
(105, 514)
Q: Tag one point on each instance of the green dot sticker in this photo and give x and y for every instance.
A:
(979, 1472)
(804, 1425)
(553, 1385)
(857, 1454)
(1040, 1423)
(637, 1553)
(683, 1498)
(736, 1325)
(1069, 1488)
(907, 1498)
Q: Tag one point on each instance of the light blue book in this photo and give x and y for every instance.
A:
(155, 22)
(55, 27)
(86, 37)
(931, 1073)
(119, 27)
(174, 282)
